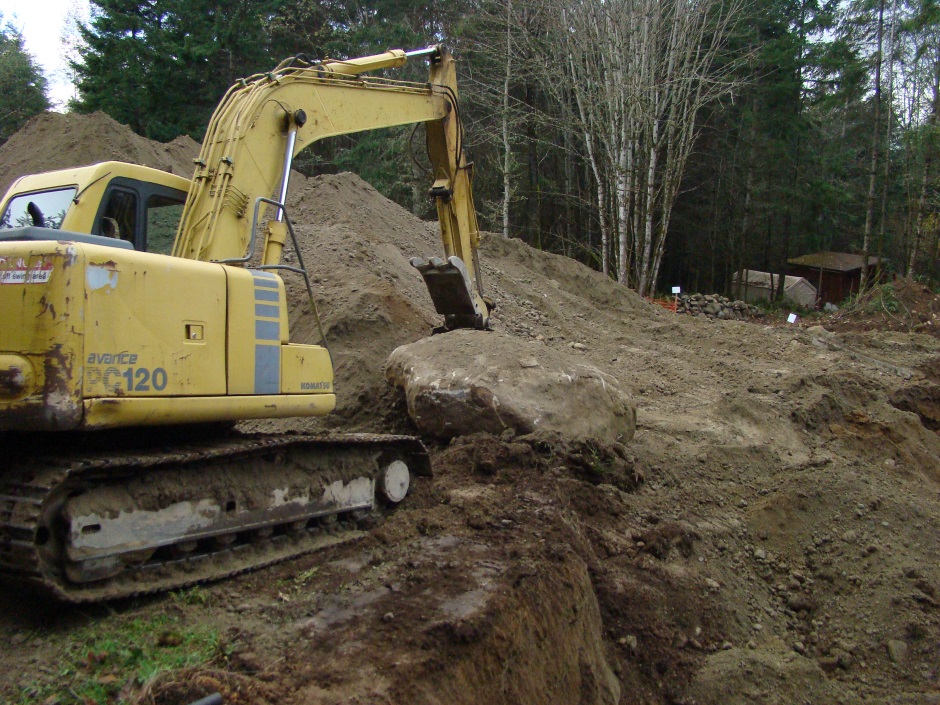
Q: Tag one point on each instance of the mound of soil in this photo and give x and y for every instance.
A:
(904, 305)
(769, 535)
(53, 141)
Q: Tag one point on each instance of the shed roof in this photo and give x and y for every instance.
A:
(832, 261)
(753, 277)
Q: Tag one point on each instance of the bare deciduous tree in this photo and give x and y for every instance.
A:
(640, 71)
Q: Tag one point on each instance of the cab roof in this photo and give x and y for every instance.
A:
(85, 176)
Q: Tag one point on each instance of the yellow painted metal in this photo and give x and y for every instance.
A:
(274, 240)
(306, 369)
(42, 303)
(391, 59)
(455, 208)
(143, 339)
(141, 313)
(248, 128)
(90, 183)
(116, 337)
(130, 411)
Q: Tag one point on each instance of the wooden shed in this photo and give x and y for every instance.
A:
(761, 286)
(836, 275)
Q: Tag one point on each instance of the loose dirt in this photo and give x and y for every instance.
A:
(768, 536)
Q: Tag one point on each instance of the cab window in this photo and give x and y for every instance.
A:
(163, 217)
(120, 215)
(43, 209)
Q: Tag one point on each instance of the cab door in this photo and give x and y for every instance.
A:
(144, 214)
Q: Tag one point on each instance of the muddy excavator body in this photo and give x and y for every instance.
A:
(111, 324)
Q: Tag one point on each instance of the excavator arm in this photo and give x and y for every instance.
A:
(264, 121)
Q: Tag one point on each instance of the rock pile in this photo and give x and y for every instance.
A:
(715, 306)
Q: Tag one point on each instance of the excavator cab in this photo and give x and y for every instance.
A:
(113, 202)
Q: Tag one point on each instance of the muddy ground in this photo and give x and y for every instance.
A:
(770, 535)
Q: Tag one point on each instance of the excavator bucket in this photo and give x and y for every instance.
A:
(451, 291)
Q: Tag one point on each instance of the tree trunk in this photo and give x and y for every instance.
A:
(507, 150)
(875, 143)
(919, 229)
(879, 249)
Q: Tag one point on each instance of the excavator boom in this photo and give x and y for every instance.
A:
(287, 110)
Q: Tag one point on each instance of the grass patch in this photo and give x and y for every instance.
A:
(106, 662)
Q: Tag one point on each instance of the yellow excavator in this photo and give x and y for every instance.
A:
(112, 327)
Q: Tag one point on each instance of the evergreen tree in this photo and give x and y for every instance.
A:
(22, 85)
(160, 66)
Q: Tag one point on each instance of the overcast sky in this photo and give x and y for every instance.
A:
(42, 23)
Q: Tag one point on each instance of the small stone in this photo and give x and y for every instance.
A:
(579, 346)
(829, 663)
(247, 661)
(726, 646)
(890, 463)
(169, 639)
(712, 584)
(760, 554)
(799, 647)
(757, 627)
(849, 536)
(802, 603)
(528, 363)
(388, 616)
(897, 651)
(752, 644)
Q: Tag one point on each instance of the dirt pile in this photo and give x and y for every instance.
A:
(768, 536)
(54, 141)
(903, 304)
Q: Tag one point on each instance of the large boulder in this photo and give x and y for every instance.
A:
(481, 381)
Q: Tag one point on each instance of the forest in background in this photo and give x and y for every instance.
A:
(665, 142)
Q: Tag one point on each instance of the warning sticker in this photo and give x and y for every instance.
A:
(17, 271)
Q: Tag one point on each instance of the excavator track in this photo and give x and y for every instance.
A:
(119, 516)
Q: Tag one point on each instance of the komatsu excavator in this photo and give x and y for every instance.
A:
(106, 334)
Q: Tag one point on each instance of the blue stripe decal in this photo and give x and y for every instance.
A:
(267, 283)
(267, 369)
(267, 311)
(268, 330)
(266, 295)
